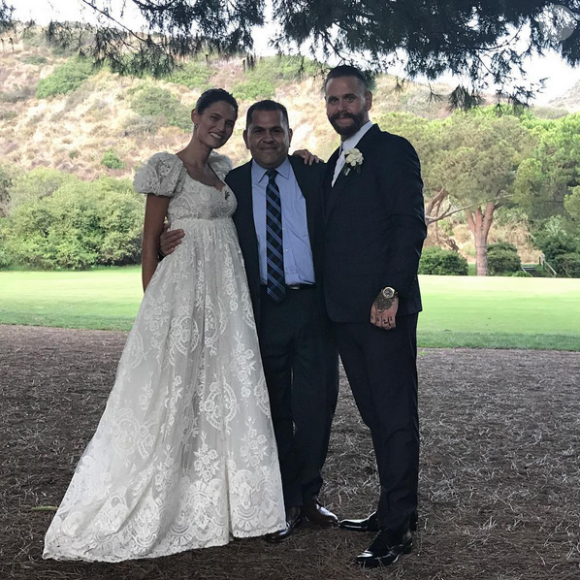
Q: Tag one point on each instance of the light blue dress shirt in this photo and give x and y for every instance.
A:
(298, 264)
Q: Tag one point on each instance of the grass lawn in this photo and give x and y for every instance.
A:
(104, 299)
(503, 312)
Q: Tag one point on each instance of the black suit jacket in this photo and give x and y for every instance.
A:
(375, 228)
(310, 179)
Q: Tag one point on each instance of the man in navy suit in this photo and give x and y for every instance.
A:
(374, 233)
(298, 352)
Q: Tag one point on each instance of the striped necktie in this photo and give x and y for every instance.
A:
(274, 249)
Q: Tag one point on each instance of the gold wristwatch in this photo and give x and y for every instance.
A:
(389, 293)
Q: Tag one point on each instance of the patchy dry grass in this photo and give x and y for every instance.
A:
(500, 477)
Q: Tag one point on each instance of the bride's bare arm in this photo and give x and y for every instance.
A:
(155, 211)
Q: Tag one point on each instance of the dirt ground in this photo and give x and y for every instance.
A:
(500, 469)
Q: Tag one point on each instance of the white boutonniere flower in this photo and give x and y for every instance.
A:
(353, 159)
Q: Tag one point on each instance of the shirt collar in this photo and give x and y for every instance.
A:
(258, 171)
(354, 139)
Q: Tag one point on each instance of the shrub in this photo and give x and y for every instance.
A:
(553, 245)
(193, 75)
(261, 81)
(436, 261)
(502, 261)
(36, 184)
(502, 246)
(111, 160)
(5, 257)
(6, 184)
(5, 261)
(151, 101)
(35, 59)
(73, 153)
(142, 125)
(522, 274)
(80, 225)
(568, 265)
(285, 67)
(253, 90)
(65, 79)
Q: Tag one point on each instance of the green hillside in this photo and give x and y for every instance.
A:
(66, 127)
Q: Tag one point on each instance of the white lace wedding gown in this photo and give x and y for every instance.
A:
(184, 455)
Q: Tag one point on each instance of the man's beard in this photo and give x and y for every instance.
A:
(350, 130)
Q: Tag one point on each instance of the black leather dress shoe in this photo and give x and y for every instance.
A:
(386, 549)
(317, 514)
(293, 520)
(371, 524)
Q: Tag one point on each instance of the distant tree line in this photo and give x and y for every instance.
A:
(54, 220)
(477, 166)
(490, 160)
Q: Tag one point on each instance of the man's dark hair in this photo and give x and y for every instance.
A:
(267, 105)
(212, 96)
(346, 70)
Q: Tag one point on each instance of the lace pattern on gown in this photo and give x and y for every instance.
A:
(184, 455)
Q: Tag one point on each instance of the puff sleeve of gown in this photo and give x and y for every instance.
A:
(161, 175)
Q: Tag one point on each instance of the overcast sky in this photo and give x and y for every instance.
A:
(560, 76)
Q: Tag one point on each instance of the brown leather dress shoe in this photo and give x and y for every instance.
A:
(293, 520)
(318, 515)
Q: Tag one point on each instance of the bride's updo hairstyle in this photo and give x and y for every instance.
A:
(212, 96)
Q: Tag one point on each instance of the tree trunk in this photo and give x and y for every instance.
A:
(479, 223)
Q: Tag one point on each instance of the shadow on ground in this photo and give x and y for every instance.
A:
(500, 469)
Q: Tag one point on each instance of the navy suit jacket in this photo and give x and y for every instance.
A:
(374, 228)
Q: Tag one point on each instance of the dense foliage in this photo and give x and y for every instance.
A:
(111, 160)
(479, 168)
(65, 79)
(568, 265)
(261, 80)
(160, 106)
(77, 225)
(503, 258)
(477, 165)
(439, 262)
(482, 41)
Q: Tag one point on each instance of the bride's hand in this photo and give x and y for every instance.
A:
(309, 158)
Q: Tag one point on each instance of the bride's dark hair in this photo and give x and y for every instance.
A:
(212, 96)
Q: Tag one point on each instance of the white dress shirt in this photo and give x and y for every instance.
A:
(298, 262)
(347, 144)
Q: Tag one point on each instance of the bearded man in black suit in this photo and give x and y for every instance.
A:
(374, 233)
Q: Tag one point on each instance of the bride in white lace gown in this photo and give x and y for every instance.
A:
(184, 455)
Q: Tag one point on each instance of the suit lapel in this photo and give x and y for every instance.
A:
(366, 143)
(342, 181)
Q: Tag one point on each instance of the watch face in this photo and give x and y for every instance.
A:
(388, 292)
